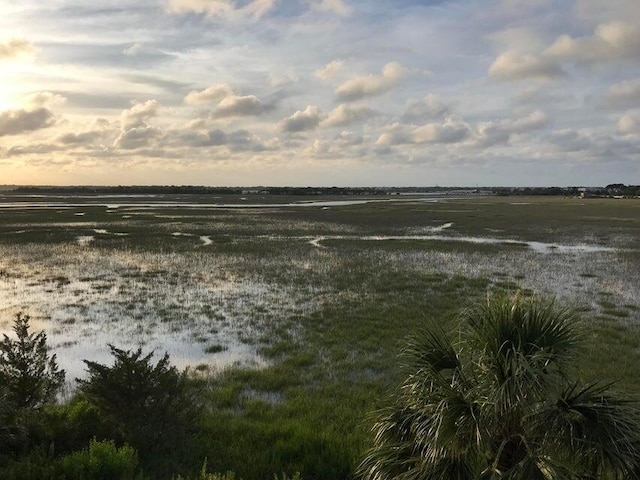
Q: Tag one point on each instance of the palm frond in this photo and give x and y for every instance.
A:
(531, 326)
(432, 350)
(524, 346)
(591, 422)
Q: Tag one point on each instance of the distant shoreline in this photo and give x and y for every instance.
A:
(618, 190)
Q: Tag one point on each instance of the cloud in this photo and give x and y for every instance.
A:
(629, 124)
(338, 7)
(345, 138)
(589, 144)
(623, 95)
(518, 66)
(370, 85)
(228, 9)
(534, 121)
(139, 113)
(197, 139)
(610, 42)
(16, 48)
(84, 138)
(278, 80)
(90, 101)
(135, 133)
(209, 42)
(430, 107)
(243, 140)
(102, 129)
(302, 120)
(14, 122)
(135, 49)
(258, 8)
(520, 39)
(136, 137)
(147, 52)
(162, 82)
(345, 114)
(44, 100)
(569, 140)
(453, 130)
(238, 141)
(395, 134)
(489, 134)
(33, 149)
(450, 131)
(197, 124)
(330, 70)
(517, 6)
(214, 93)
(217, 137)
(536, 96)
(593, 11)
(240, 106)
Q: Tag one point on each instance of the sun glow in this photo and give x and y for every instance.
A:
(7, 101)
(9, 98)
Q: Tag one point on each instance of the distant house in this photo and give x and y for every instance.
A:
(254, 192)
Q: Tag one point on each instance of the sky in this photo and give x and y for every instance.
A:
(320, 92)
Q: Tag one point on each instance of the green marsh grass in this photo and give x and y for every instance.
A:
(315, 331)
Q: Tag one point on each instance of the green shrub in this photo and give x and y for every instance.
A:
(101, 461)
(151, 407)
(66, 428)
(36, 465)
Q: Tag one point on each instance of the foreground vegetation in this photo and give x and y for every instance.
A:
(493, 399)
(326, 322)
(498, 398)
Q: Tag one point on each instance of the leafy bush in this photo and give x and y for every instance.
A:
(149, 406)
(101, 461)
(66, 428)
(36, 465)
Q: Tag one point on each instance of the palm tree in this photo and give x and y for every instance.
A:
(496, 400)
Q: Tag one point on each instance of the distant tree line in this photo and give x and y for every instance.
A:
(129, 190)
(204, 190)
(622, 189)
(615, 189)
(612, 190)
